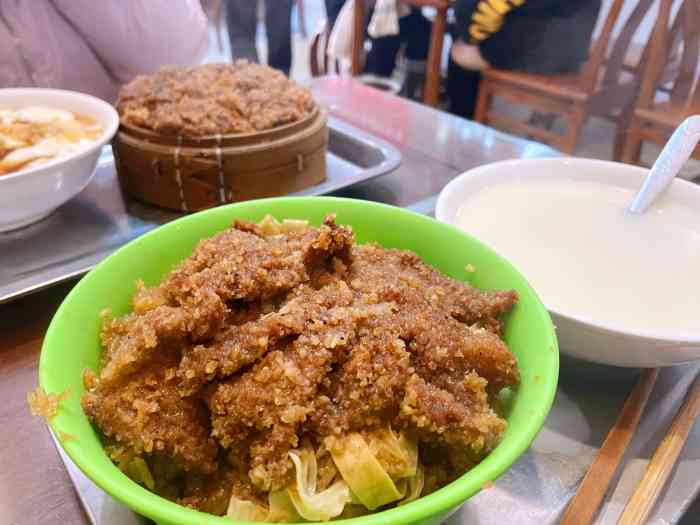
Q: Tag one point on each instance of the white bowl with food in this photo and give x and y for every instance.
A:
(622, 289)
(50, 141)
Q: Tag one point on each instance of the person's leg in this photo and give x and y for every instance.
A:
(381, 59)
(415, 31)
(278, 26)
(241, 22)
(462, 89)
(333, 8)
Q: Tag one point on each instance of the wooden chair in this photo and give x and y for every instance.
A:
(653, 120)
(319, 61)
(431, 91)
(565, 95)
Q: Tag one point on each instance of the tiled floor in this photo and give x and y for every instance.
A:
(595, 141)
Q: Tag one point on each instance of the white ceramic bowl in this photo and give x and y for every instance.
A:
(587, 338)
(30, 195)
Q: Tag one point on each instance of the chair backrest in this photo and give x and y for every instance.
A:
(621, 47)
(319, 62)
(589, 74)
(685, 92)
(621, 76)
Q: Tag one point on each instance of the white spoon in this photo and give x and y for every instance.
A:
(675, 154)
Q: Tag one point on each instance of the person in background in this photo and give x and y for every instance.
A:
(414, 31)
(534, 36)
(242, 22)
(95, 47)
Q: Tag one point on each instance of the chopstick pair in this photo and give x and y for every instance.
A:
(662, 462)
(589, 496)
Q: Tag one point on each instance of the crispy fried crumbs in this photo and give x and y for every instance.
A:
(275, 334)
(211, 99)
(45, 404)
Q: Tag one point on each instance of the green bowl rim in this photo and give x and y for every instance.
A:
(443, 500)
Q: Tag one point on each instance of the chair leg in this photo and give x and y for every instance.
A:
(358, 36)
(632, 150)
(573, 128)
(621, 137)
(431, 90)
(314, 65)
(483, 102)
(622, 127)
(619, 144)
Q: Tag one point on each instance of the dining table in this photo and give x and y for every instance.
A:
(35, 485)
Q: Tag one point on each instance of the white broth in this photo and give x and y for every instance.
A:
(587, 257)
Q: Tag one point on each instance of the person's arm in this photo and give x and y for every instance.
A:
(133, 37)
(476, 21)
(487, 17)
(468, 56)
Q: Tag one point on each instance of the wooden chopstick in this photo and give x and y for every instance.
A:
(585, 503)
(662, 462)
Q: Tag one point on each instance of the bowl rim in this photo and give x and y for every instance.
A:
(455, 185)
(91, 101)
(440, 501)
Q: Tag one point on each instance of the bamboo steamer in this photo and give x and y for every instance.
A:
(193, 173)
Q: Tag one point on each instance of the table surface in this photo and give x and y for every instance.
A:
(34, 486)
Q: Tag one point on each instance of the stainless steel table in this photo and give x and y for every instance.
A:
(435, 147)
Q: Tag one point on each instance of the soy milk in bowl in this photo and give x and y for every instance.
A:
(622, 289)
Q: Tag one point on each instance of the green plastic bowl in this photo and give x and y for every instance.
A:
(72, 341)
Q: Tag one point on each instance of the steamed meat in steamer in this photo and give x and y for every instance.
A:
(281, 366)
(213, 99)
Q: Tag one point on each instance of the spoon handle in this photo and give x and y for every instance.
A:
(675, 154)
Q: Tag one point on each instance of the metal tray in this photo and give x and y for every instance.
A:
(98, 221)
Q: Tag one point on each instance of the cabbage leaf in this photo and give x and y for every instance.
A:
(365, 476)
(398, 454)
(311, 505)
(282, 509)
(245, 510)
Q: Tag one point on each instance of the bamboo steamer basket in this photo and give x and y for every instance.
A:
(193, 173)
